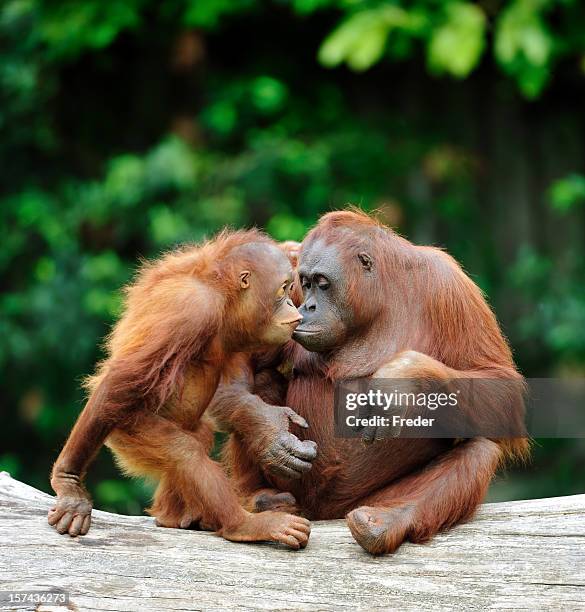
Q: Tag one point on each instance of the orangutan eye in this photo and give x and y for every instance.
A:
(322, 282)
(282, 290)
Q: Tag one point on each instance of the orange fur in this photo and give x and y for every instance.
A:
(421, 318)
(187, 317)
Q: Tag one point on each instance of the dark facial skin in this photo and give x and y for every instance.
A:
(326, 317)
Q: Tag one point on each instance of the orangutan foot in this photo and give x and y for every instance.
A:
(270, 526)
(380, 530)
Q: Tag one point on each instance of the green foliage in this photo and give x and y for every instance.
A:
(361, 39)
(524, 44)
(454, 34)
(10, 463)
(66, 29)
(456, 45)
(129, 496)
(567, 193)
(559, 319)
(208, 14)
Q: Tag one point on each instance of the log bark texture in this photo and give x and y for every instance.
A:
(514, 555)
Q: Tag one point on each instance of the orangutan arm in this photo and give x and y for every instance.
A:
(490, 402)
(262, 427)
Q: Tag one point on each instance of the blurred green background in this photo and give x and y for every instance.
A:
(128, 126)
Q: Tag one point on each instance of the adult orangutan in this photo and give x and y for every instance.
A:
(374, 305)
(189, 317)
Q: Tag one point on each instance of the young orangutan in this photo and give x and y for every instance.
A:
(189, 318)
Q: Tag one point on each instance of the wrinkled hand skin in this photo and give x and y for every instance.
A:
(276, 449)
(72, 510)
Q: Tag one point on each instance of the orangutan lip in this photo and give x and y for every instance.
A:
(291, 323)
(306, 332)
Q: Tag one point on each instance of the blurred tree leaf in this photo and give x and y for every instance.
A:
(524, 44)
(361, 39)
(166, 226)
(454, 32)
(456, 45)
(10, 463)
(208, 13)
(304, 7)
(567, 193)
(221, 117)
(268, 94)
(68, 27)
(286, 227)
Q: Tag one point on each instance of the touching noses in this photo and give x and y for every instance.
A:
(297, 318)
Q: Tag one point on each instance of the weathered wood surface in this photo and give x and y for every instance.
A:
(516, 555)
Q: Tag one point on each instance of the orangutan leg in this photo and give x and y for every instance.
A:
(420, 505)
(254, 492)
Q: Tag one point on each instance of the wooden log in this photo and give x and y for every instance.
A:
(514, 555)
